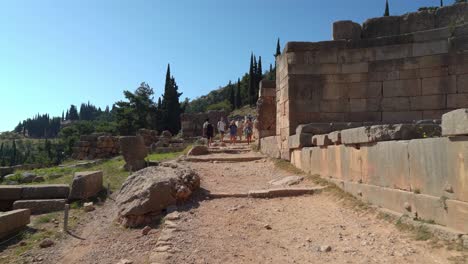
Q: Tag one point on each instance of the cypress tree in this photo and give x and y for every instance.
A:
(278, 48)
(259, 77)
(232, 95)
(441, 3)
(171, 109)
(238, 95)
(251, 80)
(13, 154)
(387, 9)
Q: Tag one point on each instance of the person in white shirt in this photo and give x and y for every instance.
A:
(221, 128)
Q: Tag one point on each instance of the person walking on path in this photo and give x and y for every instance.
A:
(221, 128)
(233, 132)
(208, 131)
(240, 127)
(248, 130)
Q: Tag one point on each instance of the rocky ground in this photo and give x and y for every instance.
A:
(320, 228)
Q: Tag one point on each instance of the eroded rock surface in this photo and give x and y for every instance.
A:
(149, 191)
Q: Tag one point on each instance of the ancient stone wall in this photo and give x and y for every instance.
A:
(266, 110)
(424, 178)
(192, 123)
(96, 146)
(398, 78)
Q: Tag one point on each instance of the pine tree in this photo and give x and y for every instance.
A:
(238, 95)
(387, 9)
(63, 116)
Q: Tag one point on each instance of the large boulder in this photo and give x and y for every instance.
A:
(85, 185)
(134, 152)
(146, 193)
(198, 150)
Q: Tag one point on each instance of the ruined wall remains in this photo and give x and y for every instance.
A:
(266, 109)
(425, 178)
(96, 146)
(192, 123)
(387, 71)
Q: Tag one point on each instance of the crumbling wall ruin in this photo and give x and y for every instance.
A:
(96, 146)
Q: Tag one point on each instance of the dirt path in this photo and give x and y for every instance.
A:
(307, 229)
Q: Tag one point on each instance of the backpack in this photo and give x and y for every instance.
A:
(209, 128)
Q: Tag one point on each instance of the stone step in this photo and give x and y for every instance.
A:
(270, 193)
(13, 221)
(233, 159)
(40, 206)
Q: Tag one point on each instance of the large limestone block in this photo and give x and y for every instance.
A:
(149, 191)
(306, 162)
(296, 158)
(13, 221)
(346, 29)
(369, 134)
(457, 215)
(381, 26)
(386, 164)
(10, 192)
(352, 161)
(438, 167)
(85, 185)
(40, 206)
(455, 123)
(321, 140)
(134, 152)
(49, 191)
(269, 146)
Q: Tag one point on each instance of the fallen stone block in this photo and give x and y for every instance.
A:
(455, 123)
(13, 221)
(287, 181)
(50, 191)
(346, 30)
(198, 150)
(40, 206)
(284, 192)
(369, 134)
(146, 193)
(85, 185)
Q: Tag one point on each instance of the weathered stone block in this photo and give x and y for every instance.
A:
(365, 105)
(439, 85)
(50, 191)
(396, 104)
(359, 67)
(346, 30)
(270, 146)
(334, 91)
(396, 88)
(134, 152)
(386, 164)
(457, 100)
(306, 162)
(335, 137)
(10, 192)
(85, 185)
(40, 206)
(455, 123)
(369, 134)
(462, 84)
(393, 52)
(300, 141)
(334, 106)
(401, 117)
(457, 215)
(381, 26)
(365, 90)
(430, 48)
(417, 21)
(13, 221)
(428, 102)
(321, 140)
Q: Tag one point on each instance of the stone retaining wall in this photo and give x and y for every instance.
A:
(96, 146)
(266, 110)
(398, 78)
(426, 178)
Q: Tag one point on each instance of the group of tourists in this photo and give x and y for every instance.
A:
(235, 128)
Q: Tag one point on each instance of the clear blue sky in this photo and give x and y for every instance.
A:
(57, 53)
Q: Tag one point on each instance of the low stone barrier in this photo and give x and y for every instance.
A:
(11, 193)
(40, 206)
(13, 221)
